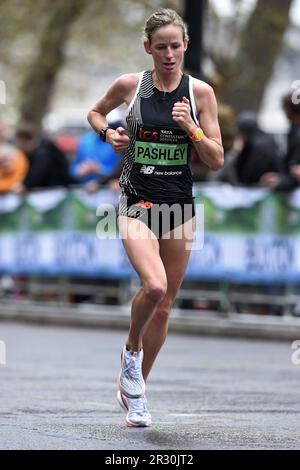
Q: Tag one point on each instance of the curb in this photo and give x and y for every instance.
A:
(181, 321)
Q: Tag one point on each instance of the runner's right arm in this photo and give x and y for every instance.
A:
(121, 91)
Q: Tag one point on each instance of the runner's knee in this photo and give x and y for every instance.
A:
(155, 290)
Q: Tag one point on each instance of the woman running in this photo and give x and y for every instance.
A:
(169, 114)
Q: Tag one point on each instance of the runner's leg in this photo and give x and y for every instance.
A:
(175, 255)
(143, 253)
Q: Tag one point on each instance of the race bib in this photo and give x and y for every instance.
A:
(163, 147)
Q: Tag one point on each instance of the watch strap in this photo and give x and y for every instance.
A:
(102, 133)
(197, 135)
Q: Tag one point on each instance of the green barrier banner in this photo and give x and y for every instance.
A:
(249, 234)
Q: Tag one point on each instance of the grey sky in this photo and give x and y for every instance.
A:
(225, 7)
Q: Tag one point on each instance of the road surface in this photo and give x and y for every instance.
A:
(58, 392)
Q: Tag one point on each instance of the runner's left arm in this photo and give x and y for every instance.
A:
(209, 148)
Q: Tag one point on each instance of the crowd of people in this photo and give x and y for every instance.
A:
(256, 157)
(30, 160)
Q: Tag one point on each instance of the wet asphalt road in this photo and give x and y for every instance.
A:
(58, 392)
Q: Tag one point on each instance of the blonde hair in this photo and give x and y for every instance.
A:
(163, 17)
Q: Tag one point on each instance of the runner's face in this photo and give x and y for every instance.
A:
(167, 48)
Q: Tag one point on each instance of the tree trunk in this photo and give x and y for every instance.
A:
(38, 85)
(261, 41)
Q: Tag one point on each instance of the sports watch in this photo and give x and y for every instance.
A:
(102, 133)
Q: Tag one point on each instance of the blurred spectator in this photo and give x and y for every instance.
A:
(48, 166)
(254, 153)
(5, 132)
(67, 136)
(289, 177)
(67, 143)
(112, 181)
(13, 167)
(95, 161)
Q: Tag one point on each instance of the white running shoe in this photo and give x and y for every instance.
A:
(136, 409)
(123, 401)
(131, 381)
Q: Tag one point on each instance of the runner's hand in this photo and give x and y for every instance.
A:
(118, 139)
(181, 114)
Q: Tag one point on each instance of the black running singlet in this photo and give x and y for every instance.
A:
(157, 159)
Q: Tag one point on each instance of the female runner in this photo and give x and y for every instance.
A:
(169, 114)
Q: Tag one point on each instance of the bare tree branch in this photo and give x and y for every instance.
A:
(40, 79)
(245, 76)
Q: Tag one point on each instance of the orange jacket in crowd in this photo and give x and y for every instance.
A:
(13, 167)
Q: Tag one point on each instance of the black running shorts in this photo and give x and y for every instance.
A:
(160, 217)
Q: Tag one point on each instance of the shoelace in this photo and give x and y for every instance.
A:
(138, 405)
(132, 367)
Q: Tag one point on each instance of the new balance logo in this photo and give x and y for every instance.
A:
(147, 170)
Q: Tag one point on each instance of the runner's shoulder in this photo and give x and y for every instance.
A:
(202, 90)
(127, 82)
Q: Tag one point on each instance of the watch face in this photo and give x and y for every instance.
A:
(103, 134)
